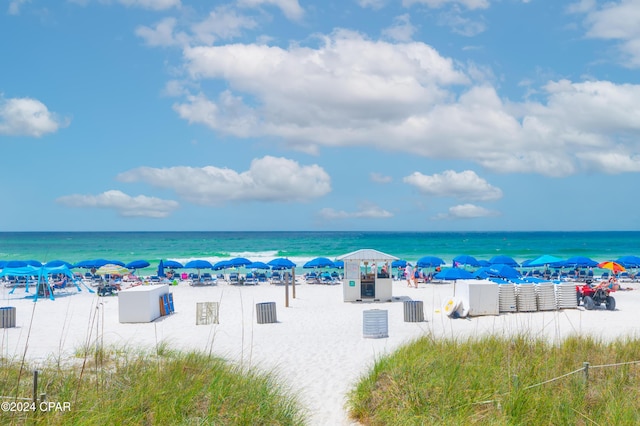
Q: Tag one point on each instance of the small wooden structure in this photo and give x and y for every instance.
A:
(365, 277)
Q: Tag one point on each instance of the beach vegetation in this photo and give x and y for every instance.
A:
(502, 381)
(162, 387)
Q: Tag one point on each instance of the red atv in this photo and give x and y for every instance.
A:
(593, 295)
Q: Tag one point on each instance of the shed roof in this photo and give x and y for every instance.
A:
(367, 254)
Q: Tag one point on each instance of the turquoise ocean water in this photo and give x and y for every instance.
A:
(302, 246)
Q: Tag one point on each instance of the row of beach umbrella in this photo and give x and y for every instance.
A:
(545, 260)
(501, 265)
(504, 266)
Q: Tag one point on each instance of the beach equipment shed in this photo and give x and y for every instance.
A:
(364, 278)
(141, 303)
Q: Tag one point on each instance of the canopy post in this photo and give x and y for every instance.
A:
(286, 293)
(293, 282)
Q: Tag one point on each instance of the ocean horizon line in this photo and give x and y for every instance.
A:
(325, 231)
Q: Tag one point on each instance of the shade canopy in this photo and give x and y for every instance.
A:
(36, 271)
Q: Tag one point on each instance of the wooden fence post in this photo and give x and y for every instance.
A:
(585, 366)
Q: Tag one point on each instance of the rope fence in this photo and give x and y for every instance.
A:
(584, 369)
(36, 398)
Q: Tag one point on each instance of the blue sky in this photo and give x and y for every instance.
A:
(413, 115)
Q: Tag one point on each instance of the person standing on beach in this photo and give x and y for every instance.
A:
(408, 273)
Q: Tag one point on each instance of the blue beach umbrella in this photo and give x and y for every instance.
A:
(429, 261)
(223, 264)
(543, 260)
(629, 261)
(161, 268)
(338, 264)
(257, 265)
(465, 259)
(281, 263)
(579, 261)
(57, 264)
(500, 271)
(95, 263)
(400, 263)
(173, 264)
(503, 260)
(451, 274)
(238, 262)
(137, 264)
(198, 264)
(319, 262)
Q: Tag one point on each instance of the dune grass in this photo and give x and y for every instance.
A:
(500, 381)
(120, 386)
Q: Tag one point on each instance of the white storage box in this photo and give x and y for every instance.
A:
(142, 303)
(478, 297)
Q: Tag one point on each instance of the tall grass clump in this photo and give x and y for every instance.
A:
(138, 388)
(502, 381)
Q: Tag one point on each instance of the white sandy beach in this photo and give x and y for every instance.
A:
(316, 347)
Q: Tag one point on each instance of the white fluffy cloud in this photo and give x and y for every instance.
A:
(467, 211)
(290, 8)
(152, 4)
(268, 179)
(339, 94)
(161, 34)
(222, 23)
(368, 211)
(401, 30)
(380, 178)
(406, 97)
(469, 4)
(125, 205)
(611, 162)
(27, 117)
(616, 20)
(373, 4)
(15, 5)
(464, 185)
